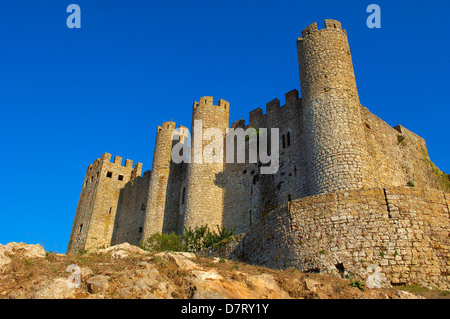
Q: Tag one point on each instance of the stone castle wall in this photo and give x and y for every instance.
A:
(405, 231)
(129, 221)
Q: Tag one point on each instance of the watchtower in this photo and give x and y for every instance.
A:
(204, 192)
(163, 201)
(97, 206)
(335, 142)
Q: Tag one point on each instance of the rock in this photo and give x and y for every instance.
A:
(86, 272)
(185, 254)
(267, 286)
(205, 275)
(144, 264)
(264, 281)
(125, 248)
(98, 284)
(165, 289)
(144, 283)
(312, 285)
(407, 295)
(124, 293)
(147, 273)
(56, 289)
(204, 294)
(119, 254)
(180, 259)
(25, 250)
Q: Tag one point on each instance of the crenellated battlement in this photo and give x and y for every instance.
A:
(209, 102)
(332, 24)
(291, 99)
(238, 124)
(329, 24)
(182, 132)
(105, 158)
(273, 106)
(309, 29)
(169, 125)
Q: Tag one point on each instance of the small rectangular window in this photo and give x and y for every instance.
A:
(109, 174)
(183, 195)
(120, 178)
(80, 229)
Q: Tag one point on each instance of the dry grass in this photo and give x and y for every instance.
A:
(23, 275)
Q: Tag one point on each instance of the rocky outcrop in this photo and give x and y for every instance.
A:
(15, 249)
(167, 275)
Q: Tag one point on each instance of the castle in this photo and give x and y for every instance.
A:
(350, 190)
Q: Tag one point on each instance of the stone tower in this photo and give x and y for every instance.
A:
(204, 193)
(96, 212)
(335, 140)
(162, 206)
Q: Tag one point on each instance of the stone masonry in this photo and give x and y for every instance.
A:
(349, 190)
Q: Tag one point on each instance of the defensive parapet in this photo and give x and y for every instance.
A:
(274, 111)
(335, 143)
(97, 206)
(204, 193)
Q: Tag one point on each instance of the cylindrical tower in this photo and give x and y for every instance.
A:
(204, 192)
(157, 199)
(335, 145)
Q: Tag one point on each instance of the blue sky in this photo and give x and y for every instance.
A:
(69, 95)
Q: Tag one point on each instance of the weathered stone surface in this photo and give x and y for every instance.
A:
(181, 259)
(56, 289)
(98, 284)
(203, 294)
(266, 284)
(407, 295)
(122, 250)
(411, 249)
(206, 275)
(22, 249)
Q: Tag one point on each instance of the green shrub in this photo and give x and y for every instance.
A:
(193, 240)
(163, 242)
(358, 284)
(202, 237)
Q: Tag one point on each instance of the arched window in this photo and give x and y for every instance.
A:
(288, 139)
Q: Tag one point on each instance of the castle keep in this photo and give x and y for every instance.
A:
(350, 191)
